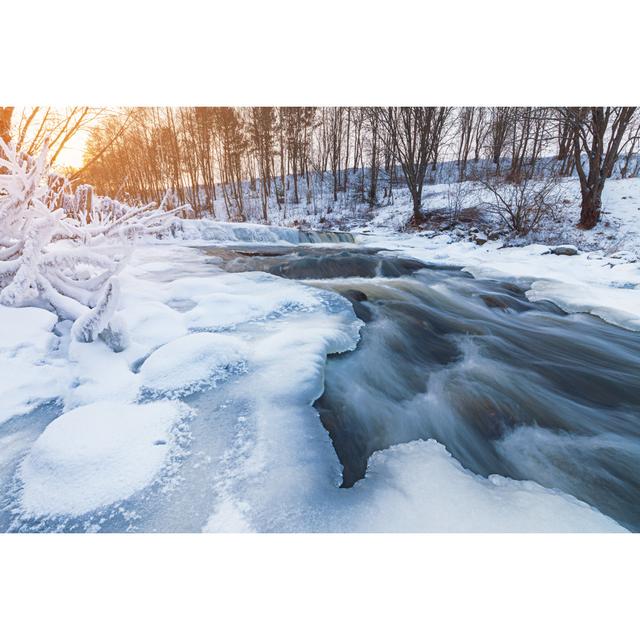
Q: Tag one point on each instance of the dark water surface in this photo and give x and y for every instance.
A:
(509, 386)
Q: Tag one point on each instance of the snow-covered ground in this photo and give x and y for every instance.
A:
(131, 435)
(205, 419)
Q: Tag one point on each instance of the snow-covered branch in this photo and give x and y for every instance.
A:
(50, 241)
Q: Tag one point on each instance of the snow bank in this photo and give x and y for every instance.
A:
(27, 377)
(614, 305)
(192, 362)
(419, 486)
(96, 455)
(26, 327)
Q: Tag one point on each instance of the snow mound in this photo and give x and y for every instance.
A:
(25, 327)
(192, 362)
(24, 385)
(96, 455)
(26, 377)
(242, 298)
(151, 324)
(419, 486)
(614, 305)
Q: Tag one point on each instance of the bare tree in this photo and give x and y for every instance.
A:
(262, 133)
(499, 127)
(414, 133)
(597, 134)
(465, 121)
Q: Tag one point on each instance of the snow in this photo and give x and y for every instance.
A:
(95, 373)
(96, 455)
(258, 344)
(152, 323)
(191, 362)
(24, 384)
(26, 328)
(279, 471)
(419, 486)
(246, 297)
(614, 305)
(27, 376)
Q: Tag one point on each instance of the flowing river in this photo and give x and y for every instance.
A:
(510, 387)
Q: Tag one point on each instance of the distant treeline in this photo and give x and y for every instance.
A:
(206, 154)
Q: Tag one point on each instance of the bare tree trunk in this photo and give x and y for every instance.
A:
(598, 132)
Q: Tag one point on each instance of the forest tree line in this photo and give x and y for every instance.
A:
(213, 157)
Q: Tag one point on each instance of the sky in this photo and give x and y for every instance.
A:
(71, 155)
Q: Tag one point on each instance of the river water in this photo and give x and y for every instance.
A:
(510, 387)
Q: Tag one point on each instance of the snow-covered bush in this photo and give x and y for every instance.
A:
(50, 244)
(523, 204)
(458, 197)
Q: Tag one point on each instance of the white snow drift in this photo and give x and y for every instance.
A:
(191, 362)
(97, 455)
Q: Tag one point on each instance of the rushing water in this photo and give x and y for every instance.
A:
(508, 386)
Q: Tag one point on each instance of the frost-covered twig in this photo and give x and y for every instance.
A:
(50, 241)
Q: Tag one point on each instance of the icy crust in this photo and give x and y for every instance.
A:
(96, 455)
(190, 363)
(278, 476)
(619, 306)
(240, 298)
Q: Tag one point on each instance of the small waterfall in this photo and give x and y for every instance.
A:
(245, 232)
(325, 236)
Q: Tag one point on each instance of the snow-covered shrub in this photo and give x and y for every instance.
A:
(523, 204)
(50, 245)
(458, 194)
